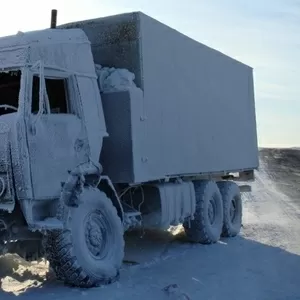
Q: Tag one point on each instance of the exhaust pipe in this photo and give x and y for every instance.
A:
(53, 18)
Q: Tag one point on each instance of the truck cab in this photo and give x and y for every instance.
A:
(52, 128)
(49, 99)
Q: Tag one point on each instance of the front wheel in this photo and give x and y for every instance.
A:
(90, 251)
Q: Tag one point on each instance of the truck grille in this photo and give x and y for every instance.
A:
(5, 169)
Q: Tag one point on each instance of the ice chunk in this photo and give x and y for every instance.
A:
(112, 79)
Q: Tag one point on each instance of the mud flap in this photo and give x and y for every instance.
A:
(245, 188)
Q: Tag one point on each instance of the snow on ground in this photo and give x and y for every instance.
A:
(262, 263)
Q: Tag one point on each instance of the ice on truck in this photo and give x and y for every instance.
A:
(180, 117)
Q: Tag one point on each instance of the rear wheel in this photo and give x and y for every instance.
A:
(206, 227)
(90, 251)
(232, 207)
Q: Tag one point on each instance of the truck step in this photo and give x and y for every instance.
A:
(128, 210)
(132, 220)
(48, 224)
(132, 214)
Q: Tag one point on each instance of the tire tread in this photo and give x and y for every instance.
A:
(196, 230)
(59, 252)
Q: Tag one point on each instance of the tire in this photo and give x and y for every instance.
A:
(232, 208)
(203, 228)
(90, 251)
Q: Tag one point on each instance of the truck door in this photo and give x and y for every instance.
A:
(53, 131)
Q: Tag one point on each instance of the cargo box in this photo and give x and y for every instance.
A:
(196, 111)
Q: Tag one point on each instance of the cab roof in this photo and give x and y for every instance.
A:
(64, 49)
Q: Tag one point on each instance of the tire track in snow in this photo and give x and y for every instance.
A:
(256, 260)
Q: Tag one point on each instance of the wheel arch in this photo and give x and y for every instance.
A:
(105, 185)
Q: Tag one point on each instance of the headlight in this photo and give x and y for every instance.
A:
(2, 186)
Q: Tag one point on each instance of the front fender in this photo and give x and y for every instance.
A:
(84, 174)
(89, 174)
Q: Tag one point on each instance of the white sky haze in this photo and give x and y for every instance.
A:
(264, 34)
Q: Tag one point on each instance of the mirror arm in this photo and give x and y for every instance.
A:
(44, 105)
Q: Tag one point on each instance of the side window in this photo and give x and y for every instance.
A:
(10, 83)
(57, 95)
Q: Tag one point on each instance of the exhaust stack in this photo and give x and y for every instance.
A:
(53, 18)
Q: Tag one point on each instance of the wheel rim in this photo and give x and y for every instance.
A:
(97, 233)
(233, 209)
(212, 211)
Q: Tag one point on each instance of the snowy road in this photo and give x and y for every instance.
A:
(262, 263)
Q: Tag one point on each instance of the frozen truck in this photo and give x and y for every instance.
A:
(113, 124)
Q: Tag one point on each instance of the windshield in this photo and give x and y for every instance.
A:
(10, 83)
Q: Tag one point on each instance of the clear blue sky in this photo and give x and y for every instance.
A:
(262, 33)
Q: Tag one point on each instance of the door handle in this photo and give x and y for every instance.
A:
(32, 129)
